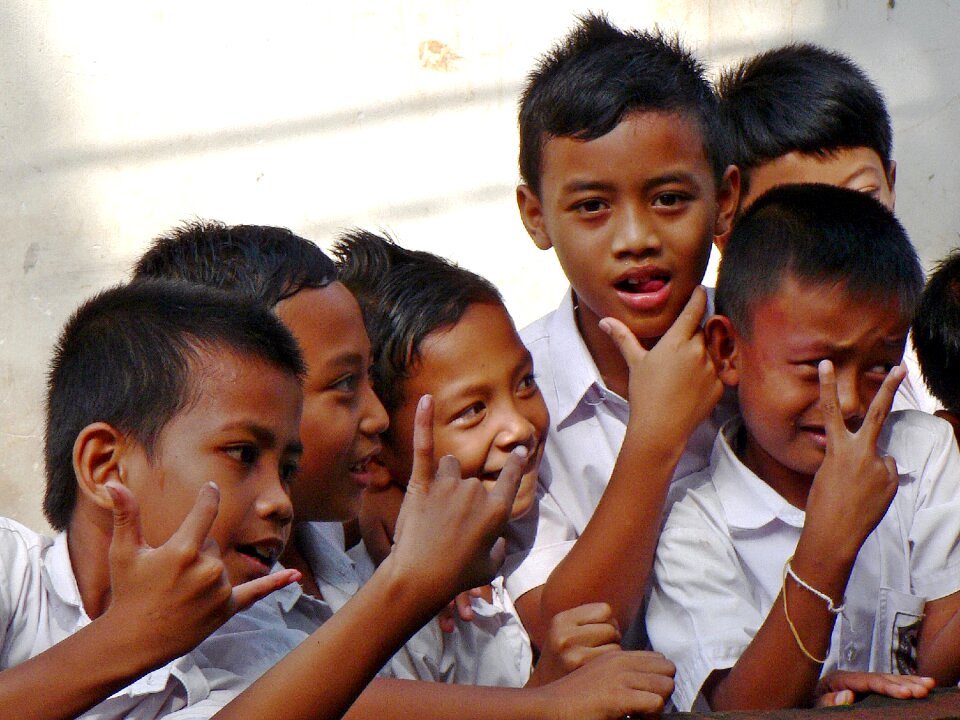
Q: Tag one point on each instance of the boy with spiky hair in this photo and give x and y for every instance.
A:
(818, 552)
(624, 174)
(936, 337)
(802, 113)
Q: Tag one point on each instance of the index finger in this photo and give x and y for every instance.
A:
(196, 526)
(688, 321)
(508, 482)
(830, 400)
(422, 468)
(883, 401)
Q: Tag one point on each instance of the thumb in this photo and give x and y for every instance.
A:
(422, 469)
(626, 341)
(127, 536)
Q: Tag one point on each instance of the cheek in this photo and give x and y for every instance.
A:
(526, 495)
(327, 431)
(469, 451)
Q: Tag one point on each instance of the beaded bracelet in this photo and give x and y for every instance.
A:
(836, 610)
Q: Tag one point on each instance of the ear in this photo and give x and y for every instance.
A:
(722, 344)
(97, 454)
(728, 198)
(531, 213)
(892, 182)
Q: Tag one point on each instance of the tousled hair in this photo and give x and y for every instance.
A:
(263, 262)
(405, 295)
(800, 98)
(129, 357)
(586, 85)
(936, 332)
(820, 235)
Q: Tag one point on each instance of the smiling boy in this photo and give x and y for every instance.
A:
(624, 176)
(822, 537)
(184, 403)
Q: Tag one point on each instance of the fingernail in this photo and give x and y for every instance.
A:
(521, 451)
(424, 402)
(604, 325)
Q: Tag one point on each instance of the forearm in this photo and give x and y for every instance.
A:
(326, 673)
(612, 559)
(75, 674)
(387, 699)
(773, 671)
(938, 652)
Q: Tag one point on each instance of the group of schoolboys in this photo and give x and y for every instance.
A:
(741, 479)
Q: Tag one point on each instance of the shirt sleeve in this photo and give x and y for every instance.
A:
(702, 612)
(935, 533)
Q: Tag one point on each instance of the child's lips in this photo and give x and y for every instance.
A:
(261, 555)
(644, 289)
(360, 470)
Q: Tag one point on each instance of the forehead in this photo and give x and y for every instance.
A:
(479, 348)
(327, 325)
(853, 168)
(644, 145)
(807, 315)
(230, 389)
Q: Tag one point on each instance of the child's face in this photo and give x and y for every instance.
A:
(858, 168)
(631, 216)
(486, 401)
(342, 418)
(242, 433)
(776, 375)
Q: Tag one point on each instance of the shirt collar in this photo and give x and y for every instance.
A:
(748, 502)
(58, 571)
(575, 373)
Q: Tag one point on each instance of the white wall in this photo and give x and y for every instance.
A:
(118, 120)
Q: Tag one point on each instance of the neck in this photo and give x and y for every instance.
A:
(794, 487)
(293, 559)
(88, 540)
(607, 357)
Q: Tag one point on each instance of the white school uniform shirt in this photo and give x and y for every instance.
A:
(493, 649)
(588, 422)
(726, 539)
(40, 605)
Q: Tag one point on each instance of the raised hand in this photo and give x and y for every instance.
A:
(855, 484)
(576, 636)
(841, 687)
(676, 383)
(173, 596)
(449, 529)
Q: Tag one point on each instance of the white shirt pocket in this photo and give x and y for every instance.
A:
(896, 632)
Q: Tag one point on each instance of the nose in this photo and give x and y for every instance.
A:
(373, 416)
(516, 430)
(634, 234)
(849, 392)
(273, 502)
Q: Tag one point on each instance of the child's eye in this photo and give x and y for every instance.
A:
(669, 199)
(346, 384)
(288, 471)
(590, 207)
(470, 414)
(245, 454)
(528, 384)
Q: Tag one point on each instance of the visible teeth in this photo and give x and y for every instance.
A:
(632, 281)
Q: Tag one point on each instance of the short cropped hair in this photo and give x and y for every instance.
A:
(936, 332)
(263, 262)
(800, 98)
(586, 85)
(128, 357)
(820, 235)
(405, 295)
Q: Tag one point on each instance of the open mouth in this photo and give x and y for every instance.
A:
(645, 283)
(265, 556)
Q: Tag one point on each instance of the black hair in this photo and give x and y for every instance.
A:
(817, 234)
(128, 357)
(405, 296)
(267, 263)
(800, 98)
(585, 86)
(936, 332)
